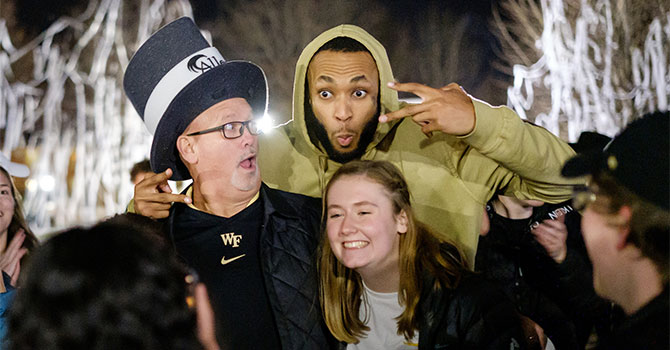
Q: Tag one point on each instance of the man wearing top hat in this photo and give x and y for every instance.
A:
(626, 228)
(251, 245)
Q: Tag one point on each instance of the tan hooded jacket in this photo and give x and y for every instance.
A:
(450, 178)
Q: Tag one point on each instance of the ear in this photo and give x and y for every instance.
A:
(624, 216)
(401, 222)
(186, 149)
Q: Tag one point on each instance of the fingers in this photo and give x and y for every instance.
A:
(14, 267)
(415, 88)
(552, 239)
(452, 86)
(155, 182)
(409, 110)
(16, 241)
(12, 250)
(15, 277)
(157, 205)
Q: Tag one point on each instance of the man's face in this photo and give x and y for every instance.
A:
(343, 90)
(600, 238)
(231, 161)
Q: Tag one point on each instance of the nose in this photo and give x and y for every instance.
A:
(348, 226)
(247, 138)
(343, 111)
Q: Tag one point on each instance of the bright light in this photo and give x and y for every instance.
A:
(266, 123)
(31, 185)
(47, 183)
(51, 206)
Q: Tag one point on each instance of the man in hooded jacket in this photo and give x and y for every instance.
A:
(455, 151)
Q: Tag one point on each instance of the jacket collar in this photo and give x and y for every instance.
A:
(275, 204)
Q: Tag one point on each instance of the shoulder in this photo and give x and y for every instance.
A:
(292, 204)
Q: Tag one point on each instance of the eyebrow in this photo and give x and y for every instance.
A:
(358, 78)
(355, 79)
(357, 204)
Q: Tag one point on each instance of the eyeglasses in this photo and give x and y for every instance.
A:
(233, 130)
(582, 196)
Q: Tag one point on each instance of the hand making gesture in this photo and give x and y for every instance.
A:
(154, 197)
(448, 109)
(10, 259)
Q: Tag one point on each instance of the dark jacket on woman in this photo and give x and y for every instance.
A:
(474, 315)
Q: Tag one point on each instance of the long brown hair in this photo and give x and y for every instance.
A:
(420, 253)
(18, 220)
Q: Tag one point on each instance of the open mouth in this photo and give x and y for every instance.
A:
(355, 244)
(249, 163)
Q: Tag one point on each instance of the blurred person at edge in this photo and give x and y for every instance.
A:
(455, 151)
(626, 228)
(536, 253)
(139, 171)
(115, 285)
(16, 238)
(388, 283)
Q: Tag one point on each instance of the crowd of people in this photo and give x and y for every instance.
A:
(365, 223)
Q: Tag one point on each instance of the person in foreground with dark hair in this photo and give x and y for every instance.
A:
(388, 283)
(139, 171)
(111, 286)
(626, 228)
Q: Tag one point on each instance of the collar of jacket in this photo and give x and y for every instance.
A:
(274, 204)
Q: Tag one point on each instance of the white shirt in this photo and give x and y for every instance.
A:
(379, 315)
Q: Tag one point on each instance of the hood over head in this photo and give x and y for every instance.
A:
(388, 98)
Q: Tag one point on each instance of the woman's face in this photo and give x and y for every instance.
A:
(6, 202)
(362, 228)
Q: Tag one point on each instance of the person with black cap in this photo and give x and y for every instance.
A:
(251, 245)
(626, 228)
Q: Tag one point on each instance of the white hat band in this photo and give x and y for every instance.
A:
(175, 80)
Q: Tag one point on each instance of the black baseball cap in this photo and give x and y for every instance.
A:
(637, 158)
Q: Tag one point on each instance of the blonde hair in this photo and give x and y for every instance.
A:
(420, 253)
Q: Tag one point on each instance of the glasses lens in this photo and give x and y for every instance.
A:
(232, 130)
(582, 196)
(254, 127)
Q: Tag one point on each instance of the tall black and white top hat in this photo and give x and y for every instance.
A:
(176, 75)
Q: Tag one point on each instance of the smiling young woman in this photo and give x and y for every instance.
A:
(387, 282)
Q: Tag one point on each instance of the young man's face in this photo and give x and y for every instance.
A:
(343, 90)
(600, 238)
(232, 161)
